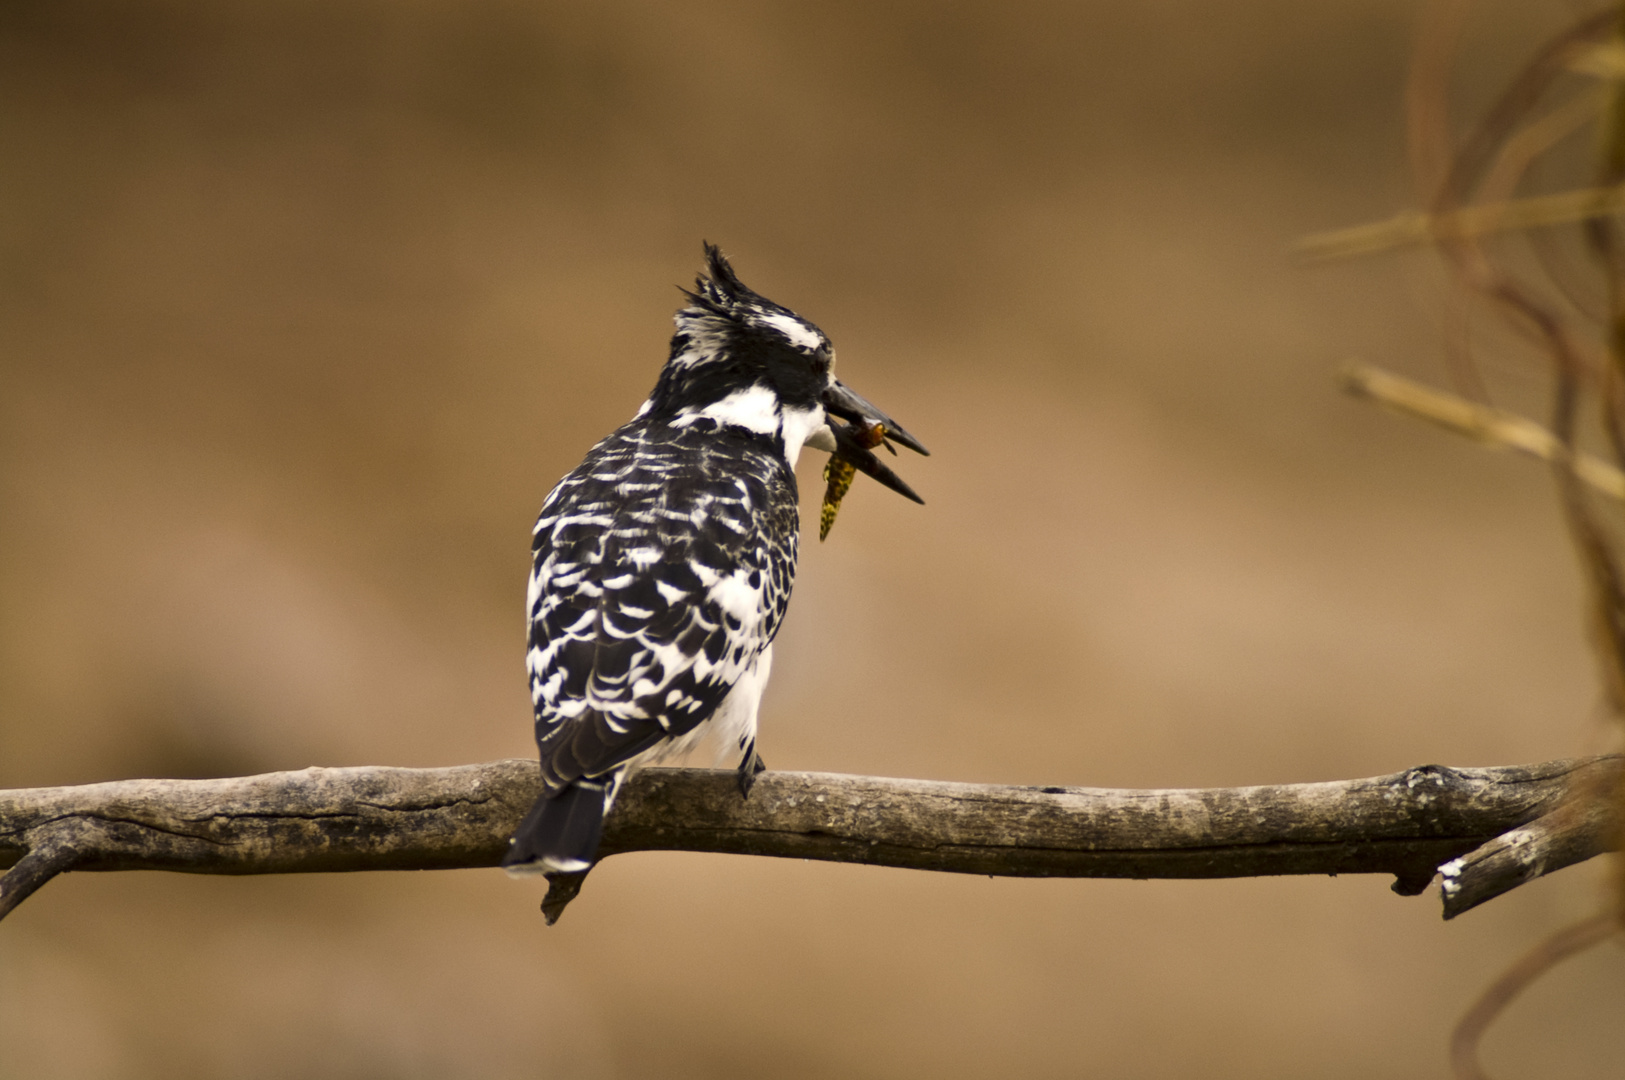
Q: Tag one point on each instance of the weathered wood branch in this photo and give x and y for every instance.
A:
(1407, 824)
(1581, 825)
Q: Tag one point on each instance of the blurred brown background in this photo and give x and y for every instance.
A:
(304, 306)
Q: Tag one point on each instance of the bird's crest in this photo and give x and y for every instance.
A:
(720, 307)
(719, 294)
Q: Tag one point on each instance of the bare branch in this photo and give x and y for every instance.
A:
(1572, 832)
(1406, 824)
(47, 858)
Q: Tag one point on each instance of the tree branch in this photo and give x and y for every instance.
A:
(1579, 827)
(1406, 824)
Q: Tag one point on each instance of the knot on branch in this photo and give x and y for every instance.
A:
(1425, 779)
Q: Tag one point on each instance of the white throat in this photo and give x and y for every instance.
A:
(799, 426)
(756, 408)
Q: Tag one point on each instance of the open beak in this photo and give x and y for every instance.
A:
(852, 441)
(841, 400)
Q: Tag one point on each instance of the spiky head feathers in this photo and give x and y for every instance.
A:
(730, 338)
(721, 304)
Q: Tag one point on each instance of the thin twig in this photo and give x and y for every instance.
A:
(1428, 139)
(1605, 61)
(1482, 423)
(1427, 99)
(1556, 948)
(1414, 227)
(1529, 143)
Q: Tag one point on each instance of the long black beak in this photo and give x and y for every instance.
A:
(841, 400)
(850, 444)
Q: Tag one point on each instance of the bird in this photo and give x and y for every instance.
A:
(662, 565)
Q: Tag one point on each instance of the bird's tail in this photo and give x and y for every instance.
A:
(560, 835)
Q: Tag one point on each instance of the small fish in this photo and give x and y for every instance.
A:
(839, 471)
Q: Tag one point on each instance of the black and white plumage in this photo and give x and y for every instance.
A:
(663, 563)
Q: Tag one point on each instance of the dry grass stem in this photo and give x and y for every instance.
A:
(1414, 227)
(1605, 61)
(1482, 423)
(1526, 145)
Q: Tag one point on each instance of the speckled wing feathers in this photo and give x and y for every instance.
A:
(663, 566)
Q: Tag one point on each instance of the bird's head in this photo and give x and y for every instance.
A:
(740, 360)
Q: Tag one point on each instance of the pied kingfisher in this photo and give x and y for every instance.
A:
(663, 563)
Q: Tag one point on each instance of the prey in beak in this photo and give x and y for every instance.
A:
(854, 430)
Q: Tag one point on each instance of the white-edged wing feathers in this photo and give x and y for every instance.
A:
(663, 565)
